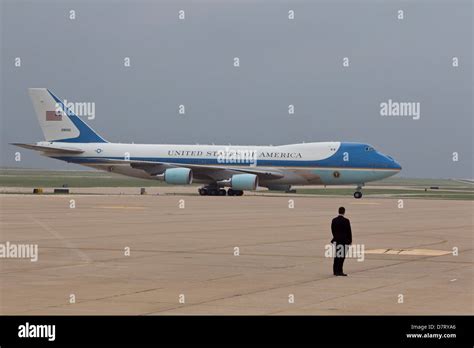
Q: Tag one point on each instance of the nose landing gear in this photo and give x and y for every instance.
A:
(358, 193)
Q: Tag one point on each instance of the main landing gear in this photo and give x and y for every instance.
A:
(215, 191)
(231, 192)
(358, 193)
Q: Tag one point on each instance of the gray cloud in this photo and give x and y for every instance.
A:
(282, 62)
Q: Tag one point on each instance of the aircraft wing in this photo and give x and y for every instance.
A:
(225, 172)
(211, 172)
(63, 150)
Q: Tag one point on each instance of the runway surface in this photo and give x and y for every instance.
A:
(183, 249)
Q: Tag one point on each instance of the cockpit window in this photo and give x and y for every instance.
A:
(369, 148)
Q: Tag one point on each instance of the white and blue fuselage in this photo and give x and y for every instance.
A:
(321, 163)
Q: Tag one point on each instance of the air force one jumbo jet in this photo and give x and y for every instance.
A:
(69, 138)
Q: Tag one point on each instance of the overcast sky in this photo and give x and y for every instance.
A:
(282, 62)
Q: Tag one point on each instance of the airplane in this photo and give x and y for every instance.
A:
(217, 167)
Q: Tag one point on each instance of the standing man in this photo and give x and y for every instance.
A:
(342, 237)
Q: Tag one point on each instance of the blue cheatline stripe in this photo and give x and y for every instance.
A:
(86, 134)
(212, 161)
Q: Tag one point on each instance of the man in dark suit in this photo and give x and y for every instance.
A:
(342, 237)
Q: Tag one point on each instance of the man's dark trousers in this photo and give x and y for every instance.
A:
(339, 258)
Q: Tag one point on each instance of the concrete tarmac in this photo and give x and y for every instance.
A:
(184, 259)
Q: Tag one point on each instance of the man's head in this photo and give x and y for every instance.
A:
(342, 210)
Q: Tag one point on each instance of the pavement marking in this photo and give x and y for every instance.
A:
(56, 234)
(119, 207)
(364, 203)
(416, 252)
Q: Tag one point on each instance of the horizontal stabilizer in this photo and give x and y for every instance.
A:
(65, 150)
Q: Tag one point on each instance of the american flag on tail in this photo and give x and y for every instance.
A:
(54, 115)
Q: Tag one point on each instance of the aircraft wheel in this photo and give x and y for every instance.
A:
(202, 192)
(230, 192)
(239, 193)
(357, 194)
(222, 192)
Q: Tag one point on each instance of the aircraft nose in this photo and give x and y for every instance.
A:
(397, 165)
(393, 164)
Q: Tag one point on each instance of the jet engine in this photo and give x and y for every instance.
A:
(178, 176)
(244, 182)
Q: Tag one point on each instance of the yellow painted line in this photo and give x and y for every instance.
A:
(416, 252)
(365, 203)
(118, 207)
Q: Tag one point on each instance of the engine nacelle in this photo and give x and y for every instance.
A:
(178, 176)
(244, 182)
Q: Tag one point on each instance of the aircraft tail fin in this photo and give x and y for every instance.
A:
(58, 122)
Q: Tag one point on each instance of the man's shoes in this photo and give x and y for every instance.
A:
(340, 274)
